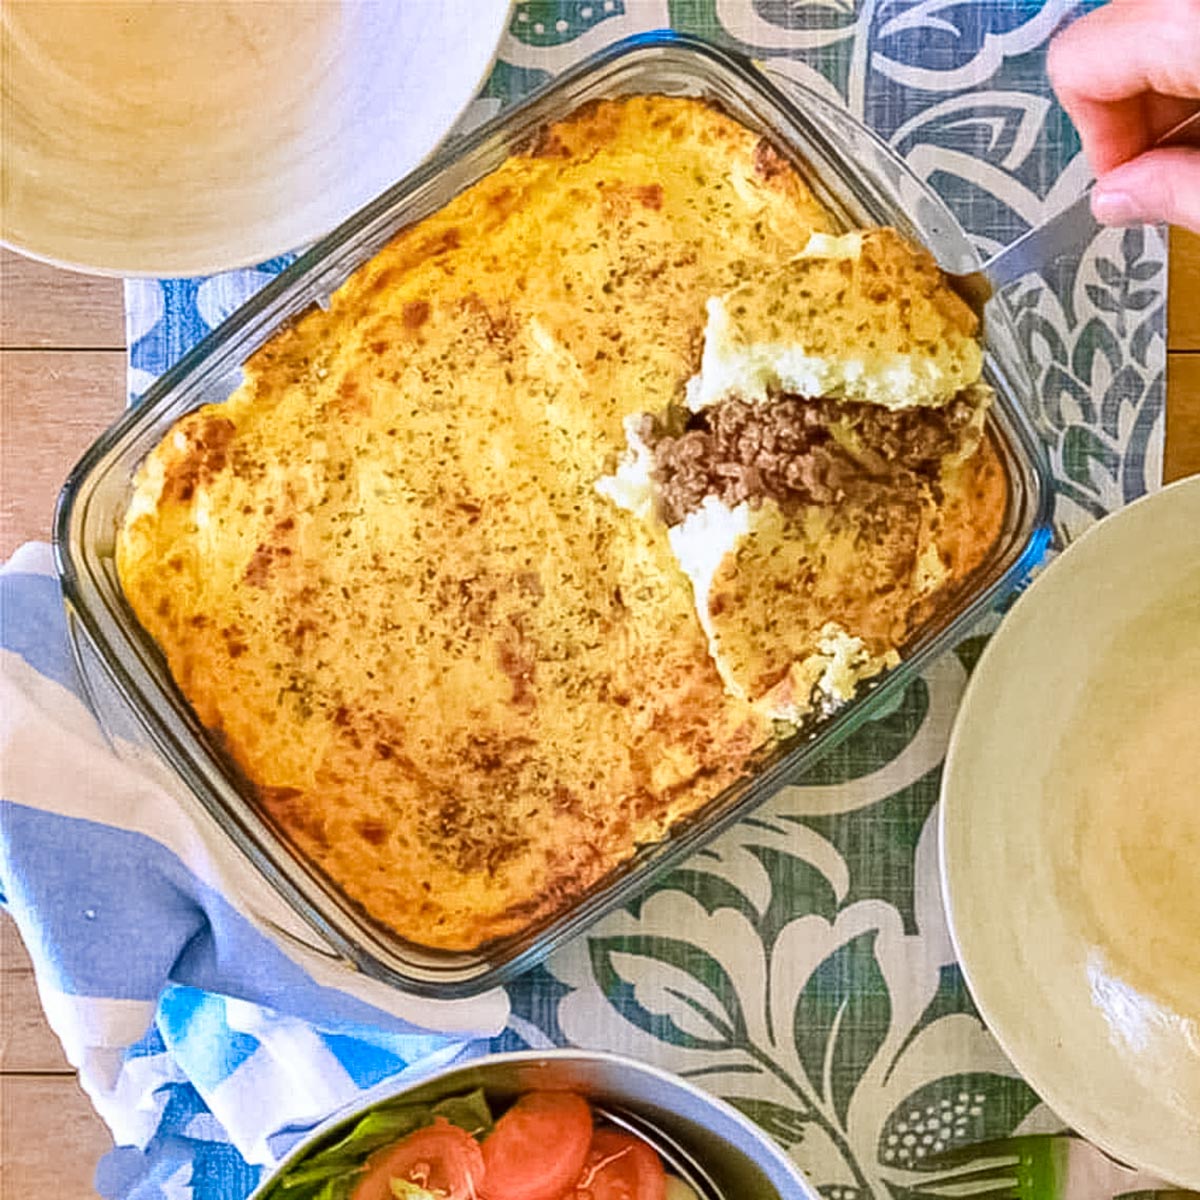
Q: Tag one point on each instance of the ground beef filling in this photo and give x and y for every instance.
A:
(785, 451)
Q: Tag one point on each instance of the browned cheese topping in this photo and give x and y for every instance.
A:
(464, 684)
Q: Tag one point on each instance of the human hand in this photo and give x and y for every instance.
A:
(1126, 74)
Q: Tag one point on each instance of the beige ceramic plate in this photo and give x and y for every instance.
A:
(187, 136)
(1071, 835)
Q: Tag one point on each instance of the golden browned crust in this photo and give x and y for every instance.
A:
(881, 302)
(465, 685)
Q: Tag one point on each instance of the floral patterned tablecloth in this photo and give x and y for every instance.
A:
(800, 967)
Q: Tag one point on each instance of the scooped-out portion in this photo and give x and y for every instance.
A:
(826, 476)
(459, 687)
(858, 316)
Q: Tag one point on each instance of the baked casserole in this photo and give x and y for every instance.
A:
(580, 492)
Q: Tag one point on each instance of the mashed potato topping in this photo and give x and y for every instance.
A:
(462, 682)
(827, 676)
(865, 316)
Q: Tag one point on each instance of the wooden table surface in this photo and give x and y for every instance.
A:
(62, 380)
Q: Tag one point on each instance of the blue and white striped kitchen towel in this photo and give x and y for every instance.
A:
(205, 1047)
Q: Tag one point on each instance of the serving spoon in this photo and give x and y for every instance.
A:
(1067, 232)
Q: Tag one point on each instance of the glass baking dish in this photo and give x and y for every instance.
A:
(859, 180)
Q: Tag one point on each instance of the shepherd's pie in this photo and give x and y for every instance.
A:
(516, 554)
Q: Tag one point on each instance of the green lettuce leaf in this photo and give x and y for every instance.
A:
(329, 1174)
(469, 1112)
(403, 1190)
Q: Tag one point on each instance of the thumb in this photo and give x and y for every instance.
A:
(1160, 185)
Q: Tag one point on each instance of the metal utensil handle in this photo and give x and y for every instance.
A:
(1070, 230)
(1186, 133)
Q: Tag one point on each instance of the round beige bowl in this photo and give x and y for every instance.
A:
(188, 136)
(722, 1154)
(1071, 834)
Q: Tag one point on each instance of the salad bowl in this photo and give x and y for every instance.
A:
(709, 1150)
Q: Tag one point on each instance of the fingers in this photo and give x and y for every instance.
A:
(1117, 132)
(1128, 47)
(1161, 185)
(1126, 72)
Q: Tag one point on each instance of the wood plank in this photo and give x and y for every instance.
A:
(12, 950)
(26, 1041)
(51, 1136)
(47, 307)
(1182, 455)
(53, 405)
(1183, 300)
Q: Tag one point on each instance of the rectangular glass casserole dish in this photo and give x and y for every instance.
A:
(858, 181)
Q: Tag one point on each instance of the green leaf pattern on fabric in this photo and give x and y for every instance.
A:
(672, 989)
(956, 1110)
(841, 1020)
(1098, 352)
(554, 22)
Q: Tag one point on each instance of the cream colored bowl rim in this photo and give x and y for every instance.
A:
(489, 20)
(1032, 1053)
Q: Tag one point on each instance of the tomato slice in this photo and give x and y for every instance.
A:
(620, 1166)
(441, 1158)
(538, 1147)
